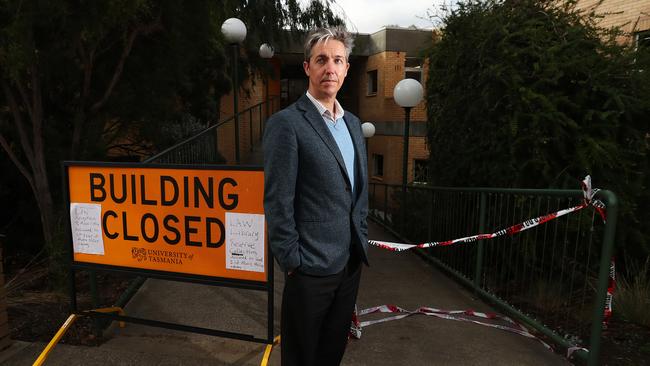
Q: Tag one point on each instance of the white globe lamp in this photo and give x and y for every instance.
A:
(234, 30)
(408, 93)
(266, 51)
(368, 129)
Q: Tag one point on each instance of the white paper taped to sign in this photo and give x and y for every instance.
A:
(245, 242)
(86, 225)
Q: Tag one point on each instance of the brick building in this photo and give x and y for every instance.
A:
(632, 16)
(393, 54)
(381, 59)
(253, 92)
(378, 62)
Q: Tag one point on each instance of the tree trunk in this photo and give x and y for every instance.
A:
(78, 123)
(31, 141)
(45, 204)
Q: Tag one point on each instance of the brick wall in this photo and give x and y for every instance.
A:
(252, 92)
(381, 107)
(631, 16)
(392, 149)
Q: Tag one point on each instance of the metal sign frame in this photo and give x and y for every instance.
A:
(265, 286)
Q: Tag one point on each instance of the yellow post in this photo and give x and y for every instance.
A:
(267, 351)
(39, 361)
(64, 328)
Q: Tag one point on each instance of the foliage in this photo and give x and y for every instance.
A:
(80, 78)
(632, 297)
(532, 94)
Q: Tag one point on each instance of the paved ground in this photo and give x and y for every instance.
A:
(401, 279)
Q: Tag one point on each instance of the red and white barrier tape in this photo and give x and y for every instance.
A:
(610, 294)
(528, 224)
(357, 325)
(461, 315)
(588, 193)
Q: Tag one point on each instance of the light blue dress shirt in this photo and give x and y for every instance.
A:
(339, 131)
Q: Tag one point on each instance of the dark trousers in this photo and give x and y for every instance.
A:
(316, 315)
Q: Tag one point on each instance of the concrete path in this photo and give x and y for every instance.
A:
(400, 279)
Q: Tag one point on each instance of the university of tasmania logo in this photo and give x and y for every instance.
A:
(139, 253)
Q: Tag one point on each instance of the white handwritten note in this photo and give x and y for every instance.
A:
(245, 242)
(86, 225)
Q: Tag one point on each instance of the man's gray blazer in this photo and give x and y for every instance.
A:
(313, 217)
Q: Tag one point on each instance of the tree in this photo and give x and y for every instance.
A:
(531, 93)
(75, 77)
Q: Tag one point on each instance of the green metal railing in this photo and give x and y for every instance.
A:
(552, 278)
(206, 146)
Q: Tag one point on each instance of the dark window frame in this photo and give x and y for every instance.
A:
(642, 38)
(420, 170)
(413, 68)
(378, 165)
(372, 85)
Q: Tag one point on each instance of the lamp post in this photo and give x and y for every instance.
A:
(234, 31)
(266, 52)
(368, 130)
(407, 93)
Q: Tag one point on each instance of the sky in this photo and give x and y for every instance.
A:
(368, 16)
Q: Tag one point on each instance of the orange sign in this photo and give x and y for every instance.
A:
(207, 222)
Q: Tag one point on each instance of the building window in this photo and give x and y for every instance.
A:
(643, 39)
(421, 172)
(372, 82)
(377, 165)
(413, 68)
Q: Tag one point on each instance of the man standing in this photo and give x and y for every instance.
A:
(316, 203)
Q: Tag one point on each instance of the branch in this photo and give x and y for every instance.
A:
(87, 61)
(130, 148)
(88, 75)
(142, 29)
(23, 170)
(79, 116)
(23, 95)
(111, 128)
(18, 121)
(37, 114)
(106, 48)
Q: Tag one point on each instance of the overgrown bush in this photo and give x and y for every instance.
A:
(533, 94)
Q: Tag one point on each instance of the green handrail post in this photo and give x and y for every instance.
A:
(479, 247)
(611, 204)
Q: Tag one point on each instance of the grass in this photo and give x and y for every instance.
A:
(632, 297)
(546, 296)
